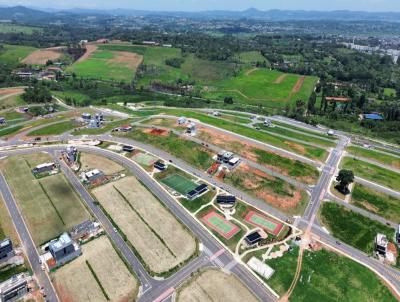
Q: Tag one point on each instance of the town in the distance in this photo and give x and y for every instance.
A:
(199, 155)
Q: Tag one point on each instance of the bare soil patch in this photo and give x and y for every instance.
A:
(128, 59)
(75, 282)
(162, 242)
(11, 91)
(249, 72)
(90, 48)
(280, 79)
(298, 147)
(298, 85)
(41, 56)
(214, 285)
(156, 132)
(92, 161)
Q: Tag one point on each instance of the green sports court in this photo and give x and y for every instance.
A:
(179, 183)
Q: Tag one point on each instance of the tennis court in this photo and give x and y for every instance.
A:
(220, 225)
(179, 183)
(144, 159)
(271, 226)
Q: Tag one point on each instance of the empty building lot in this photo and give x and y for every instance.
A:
(92, 161)
(214, 285)
(49, 205)
(160, 240)
(96, 275)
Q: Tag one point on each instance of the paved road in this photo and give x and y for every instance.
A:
(26, 241)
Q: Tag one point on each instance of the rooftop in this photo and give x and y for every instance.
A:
(62, 242)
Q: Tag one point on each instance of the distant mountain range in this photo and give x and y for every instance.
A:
(20, 13)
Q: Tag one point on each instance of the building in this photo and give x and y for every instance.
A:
(191, 128)
(253, 238)
(182, 120)
(6, 248)
(124, 128)
(86, 116)
(72, 153)
(127, 148)
(160, 166)
(14, 288)
(197, 191)
(373, 117)
(151, 43)
(267, 123)
(381, 244)
(2, 121)
(226, 200)
(233, 161)
(85, 230)
(216, 113)
(93, 175)
(64, 249)
(398, 235)
(94, 123)
(224, 156)
(331, 132)
(46, 167)
(260, 267)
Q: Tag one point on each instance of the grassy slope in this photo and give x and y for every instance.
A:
(376, 156)
(308, 151)
(352, 228)
(12, 101)
(372, 173)
(376, 202)
(13, 28)
(13, 54)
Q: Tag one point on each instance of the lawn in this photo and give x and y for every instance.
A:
(54, 129)
(385, 159)
(376, 202)
(303, 137)
(7, 229)
(329, 277)
(50, 206)
(306, 150)
(372, 173)
(13, 54)
(78, 97)
(194, 205)
(351, 227)
(10, 130)
(188, 151)
(250, 57)
(108, 65)
(179, 183)
(14, 28)
(389, 92)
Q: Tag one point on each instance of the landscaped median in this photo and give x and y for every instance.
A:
(379, 157)
(373, 173)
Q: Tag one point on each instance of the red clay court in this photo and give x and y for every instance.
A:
(159, 132)
(271, 226)
(220, 225)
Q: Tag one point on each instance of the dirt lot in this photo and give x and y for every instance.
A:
(214, 285)
(41, 56)
(129, 59)
(75, 282)
(158, 237)
(90, 48)
(92, 161)
(46, 218)
(6, 91)
(280, 79)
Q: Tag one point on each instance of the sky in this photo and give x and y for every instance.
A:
(198, 5)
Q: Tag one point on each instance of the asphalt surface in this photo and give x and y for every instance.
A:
(26, 241)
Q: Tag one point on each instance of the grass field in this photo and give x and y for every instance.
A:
(214, 285)
(389, 92)
(188, 151)
(250, 57)
(157, 237)
(108, 65)
(104, 129)
(376, 202)
(352, 228)
(372, 173)
(50, 206)
(379, 157)
(179, 183)
(11, 101)
(6, 225)
(13, 54)
(306, 150)
(10, 130)
(14, 28)
(262, 86)
(90, 161)
(99, 273)
(305, 131)
(54, 129)
(194, 205)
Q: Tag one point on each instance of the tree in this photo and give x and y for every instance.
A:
(311, 102)
(228, 100)
(345, 177)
